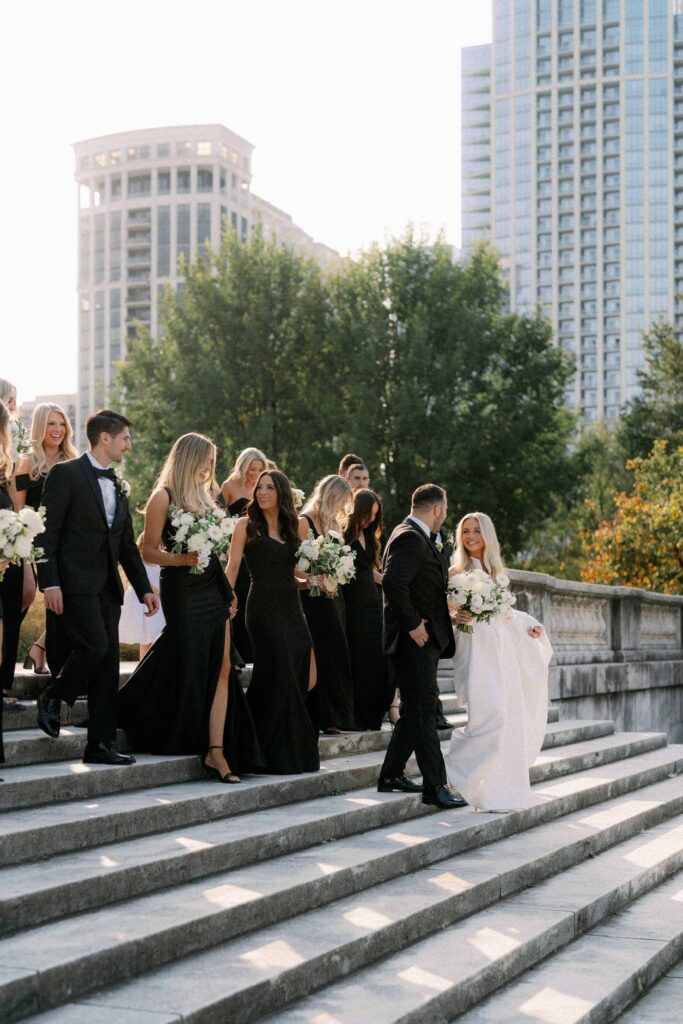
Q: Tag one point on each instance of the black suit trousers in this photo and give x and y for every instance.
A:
(414, 673)
(91, 623)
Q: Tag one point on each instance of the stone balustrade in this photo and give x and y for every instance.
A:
(618, 651)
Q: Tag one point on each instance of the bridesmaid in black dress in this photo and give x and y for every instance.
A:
(51, 425)
(283, 665)
(184, 698)
(372, 690)
(11, 585)
(331, 705)
(236, 493)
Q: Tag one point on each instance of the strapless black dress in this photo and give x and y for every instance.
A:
(282, 649)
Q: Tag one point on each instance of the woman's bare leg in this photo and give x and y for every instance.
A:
(219, 710)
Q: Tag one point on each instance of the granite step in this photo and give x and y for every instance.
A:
(661, 1003)
(70, 805)
(425, 947)
(448, 976)
(606, 970)
(31, 894)
(32, 746)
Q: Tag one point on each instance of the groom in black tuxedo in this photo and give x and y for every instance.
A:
(88, 532)
(417, 633)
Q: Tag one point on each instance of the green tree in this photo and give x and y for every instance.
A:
(448, 385)
(657, 412)
(243, 357)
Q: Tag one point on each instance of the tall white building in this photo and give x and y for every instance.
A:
(572, 145)
(146, 198)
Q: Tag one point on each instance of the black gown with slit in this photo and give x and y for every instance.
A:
(240, 633)
(372, 688)
(331, 702)
(11, 595)
(282, 652)
(164, 707)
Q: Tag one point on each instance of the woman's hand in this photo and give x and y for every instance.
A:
(186, 558)
(4, 564)
(233, 607)
(314, 581)
(378, 576)
(461, 618)
(535, 632)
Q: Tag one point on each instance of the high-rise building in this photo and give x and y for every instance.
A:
(572, 138)
(146, 198)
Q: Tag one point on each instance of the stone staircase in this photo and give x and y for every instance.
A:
(147, 894)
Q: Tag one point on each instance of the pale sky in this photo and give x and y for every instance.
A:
(353, 107)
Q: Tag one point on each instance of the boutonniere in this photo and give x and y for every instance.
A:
(122, 486)
(438, 544)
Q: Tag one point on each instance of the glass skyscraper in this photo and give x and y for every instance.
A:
(572, 139)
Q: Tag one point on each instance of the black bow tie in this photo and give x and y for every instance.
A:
(108, 473)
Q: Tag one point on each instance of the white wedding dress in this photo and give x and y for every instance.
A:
(501, 675)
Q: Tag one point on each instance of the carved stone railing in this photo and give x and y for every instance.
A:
(618, 650)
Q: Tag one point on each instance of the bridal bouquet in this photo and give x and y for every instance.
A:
(480, 595)
(18, 531)
(326, 557)
(298, 496)
(208, 533)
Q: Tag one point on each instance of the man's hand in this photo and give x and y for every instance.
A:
(233, 607)
(420, 634)
(535, 632)
(152, 604)
(54, 602)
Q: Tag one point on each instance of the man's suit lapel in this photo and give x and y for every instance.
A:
(432, 547)
(86, 466)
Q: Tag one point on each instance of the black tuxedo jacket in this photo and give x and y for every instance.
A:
(414, 581)
(82, 552)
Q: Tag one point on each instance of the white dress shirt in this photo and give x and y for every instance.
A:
(108, 488)
(423, 526)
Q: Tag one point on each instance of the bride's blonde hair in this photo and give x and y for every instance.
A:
(331, 503)
(180, 472)
(493, 561)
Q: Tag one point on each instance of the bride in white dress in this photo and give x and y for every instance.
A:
(501, 675)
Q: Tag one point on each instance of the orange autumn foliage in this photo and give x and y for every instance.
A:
(641, 545)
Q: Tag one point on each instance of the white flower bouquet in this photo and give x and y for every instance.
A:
(21, 442)
(298, 496)
(326, 557)
(208, 533)
(18, 531)
(479, 594)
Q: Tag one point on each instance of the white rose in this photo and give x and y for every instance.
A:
(303, 564)
(181, 534)
(215, 532)
(186, 519)
(459, 599)
(220, 513)
(477, 603)
(196, 542)
(503, 580)
(32, 520)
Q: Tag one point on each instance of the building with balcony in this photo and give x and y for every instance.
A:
(572, 139)
(147, 200)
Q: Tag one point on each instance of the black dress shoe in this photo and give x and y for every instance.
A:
(48, 715)
(399, 784)
(442, 798)
(442, 722)
(103, 753)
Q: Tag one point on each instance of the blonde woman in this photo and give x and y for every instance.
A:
(51, 442)
(331, 703)
(501, 674)
(183, 697)
(236, 493)
(10, 587)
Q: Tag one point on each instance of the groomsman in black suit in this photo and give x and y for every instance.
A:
(417, 633)
(88, 532)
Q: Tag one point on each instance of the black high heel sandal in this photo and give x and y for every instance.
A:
(29, 662)
(229, 776)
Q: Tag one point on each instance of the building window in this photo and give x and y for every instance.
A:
(163, 183)
(163, 241)
(163, 150)
(183, 231)
(203, 149)
(139, 184)
(115, 188)
(204, 179)
(183, 179)
(115, 246)
(203, 226)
